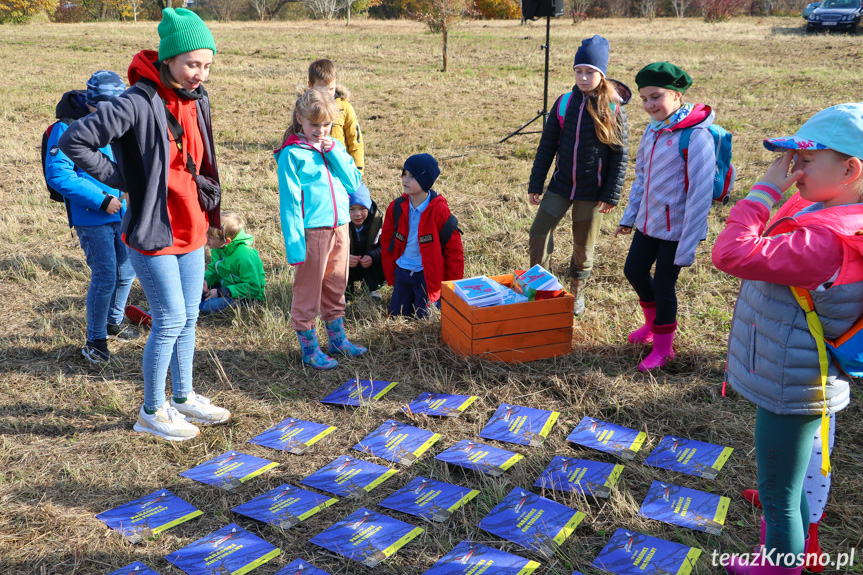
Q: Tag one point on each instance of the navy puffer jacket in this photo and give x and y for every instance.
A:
(599, 169)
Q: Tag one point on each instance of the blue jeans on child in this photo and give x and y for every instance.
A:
(410, 296)
(111, 276)
(217, 304)
(172, 284)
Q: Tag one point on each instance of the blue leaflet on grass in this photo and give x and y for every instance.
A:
(348, 477)
(359, 391)
(480, 457)
(520, 425)
(430, 499)
(532, 521)
(300, 567)
(469, 558)
(607, 437)
(574, 475)
(231, 549)
(397, 442)
(293, 435)
(149, 515)
(632, 553)
(136, 568)
(367, 537)
(685, 507)
(229, 469)
(284, 506)
(689, 456)
(439, 404)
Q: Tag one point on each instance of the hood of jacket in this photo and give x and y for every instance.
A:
(701, 116)
(145, 65)
(300, 141)
(241, 239)
(342, 92)
(72, 105)
(623, 91)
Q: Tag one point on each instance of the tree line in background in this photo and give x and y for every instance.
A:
(438, 14)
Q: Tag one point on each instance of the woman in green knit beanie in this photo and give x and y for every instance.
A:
(161, 130)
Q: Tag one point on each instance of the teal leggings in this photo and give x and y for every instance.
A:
(783, 446)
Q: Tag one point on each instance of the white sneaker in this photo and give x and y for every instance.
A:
(167, 423)
(199, 409)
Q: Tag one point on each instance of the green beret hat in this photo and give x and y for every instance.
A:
(663, 75)
(182, 31)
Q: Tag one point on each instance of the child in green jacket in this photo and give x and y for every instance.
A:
(235, 275)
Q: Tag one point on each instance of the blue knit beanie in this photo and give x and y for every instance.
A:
(593, 52)
(362, 197)
(102, 86)
(424, 169)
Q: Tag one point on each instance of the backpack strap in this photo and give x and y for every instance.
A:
(397, 218)
(450, 226)
(685, 136)
(804, 299)
(561, 107)
(177, 131)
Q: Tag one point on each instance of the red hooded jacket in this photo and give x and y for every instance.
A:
(438, 264)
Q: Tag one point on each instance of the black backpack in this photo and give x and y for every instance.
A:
(450, 226)
(52, 193)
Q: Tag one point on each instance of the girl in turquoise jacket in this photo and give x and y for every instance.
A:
(316, 174)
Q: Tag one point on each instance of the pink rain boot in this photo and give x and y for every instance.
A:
(663, 340)
(644, 334)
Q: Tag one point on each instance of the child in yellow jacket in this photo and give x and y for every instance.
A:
(346, 128)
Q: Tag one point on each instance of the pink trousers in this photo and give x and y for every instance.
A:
(320, 282)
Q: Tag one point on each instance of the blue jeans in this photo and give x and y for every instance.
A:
(217, 304)
(173, 285)
(409, 294)
(111, 276)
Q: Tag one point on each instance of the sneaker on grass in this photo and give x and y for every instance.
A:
(167, 423)
(123, 331)
(138, 316)
(96, 352)
(198, 408)
(376, 296)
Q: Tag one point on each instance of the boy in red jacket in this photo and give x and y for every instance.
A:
(421, 241)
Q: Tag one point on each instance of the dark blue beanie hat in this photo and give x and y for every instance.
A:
(424, 169)
(593, 52)
(362, 197)
(102, 86)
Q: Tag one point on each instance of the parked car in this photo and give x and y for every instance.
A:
(836, 15)
(809, 8)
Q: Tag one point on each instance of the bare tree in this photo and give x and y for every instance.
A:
(680, 7)
(135, 5)
(648, 8)
(578, 9)
(268, 9)
(225, 9)
(441, 15)
(324, 8)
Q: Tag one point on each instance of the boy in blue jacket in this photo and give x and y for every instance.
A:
(95, 211)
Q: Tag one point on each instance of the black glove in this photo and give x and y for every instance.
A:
(209, 192)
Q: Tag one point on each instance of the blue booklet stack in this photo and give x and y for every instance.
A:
(572, 475)
(149, 515)
(229, 470)
(469, 558)
(430, 499)
(486, 459)
(607, 437)
(284, 506)
(519, 425)
(293, 435)
(348, 477)
(633, 553)
(439, 404)
(689, 456)
(685, 507)
(397, 442)
(367, 537)
(231, 549)
(479, 291)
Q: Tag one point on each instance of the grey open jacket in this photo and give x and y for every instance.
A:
(135, 125)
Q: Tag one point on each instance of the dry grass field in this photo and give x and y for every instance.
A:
(67, 449)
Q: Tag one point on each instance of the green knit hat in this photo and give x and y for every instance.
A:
(663, 75)
(182, 31)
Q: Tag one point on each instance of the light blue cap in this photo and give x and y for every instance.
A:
(838, 128)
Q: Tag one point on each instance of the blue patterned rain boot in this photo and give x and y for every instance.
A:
(339, 341)
(312, 354)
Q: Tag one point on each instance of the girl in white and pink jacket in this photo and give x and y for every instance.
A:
(668, 203)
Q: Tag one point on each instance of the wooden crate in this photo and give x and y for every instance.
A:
(509, 333)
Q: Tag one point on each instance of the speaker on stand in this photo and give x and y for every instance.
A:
(533, 9)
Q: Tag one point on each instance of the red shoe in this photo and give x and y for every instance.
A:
(138, 316)
(813, 550)
(751, 495)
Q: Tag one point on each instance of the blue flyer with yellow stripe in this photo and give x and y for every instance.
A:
(633, 553)
(357, 392)
(367, 537)
(348, 477)
(300, 567)
(607, 437)
(136, 568)
(231, 549)
(229, 469)
(520, 425)
(285, 506)
(428, 498)
(532, 521)
(439, 404)
(469, 558)
(397, 442)
(293, 435)
(477, 456)
(149, 515)
(689, 456)
(685, 507)
(573, 475)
